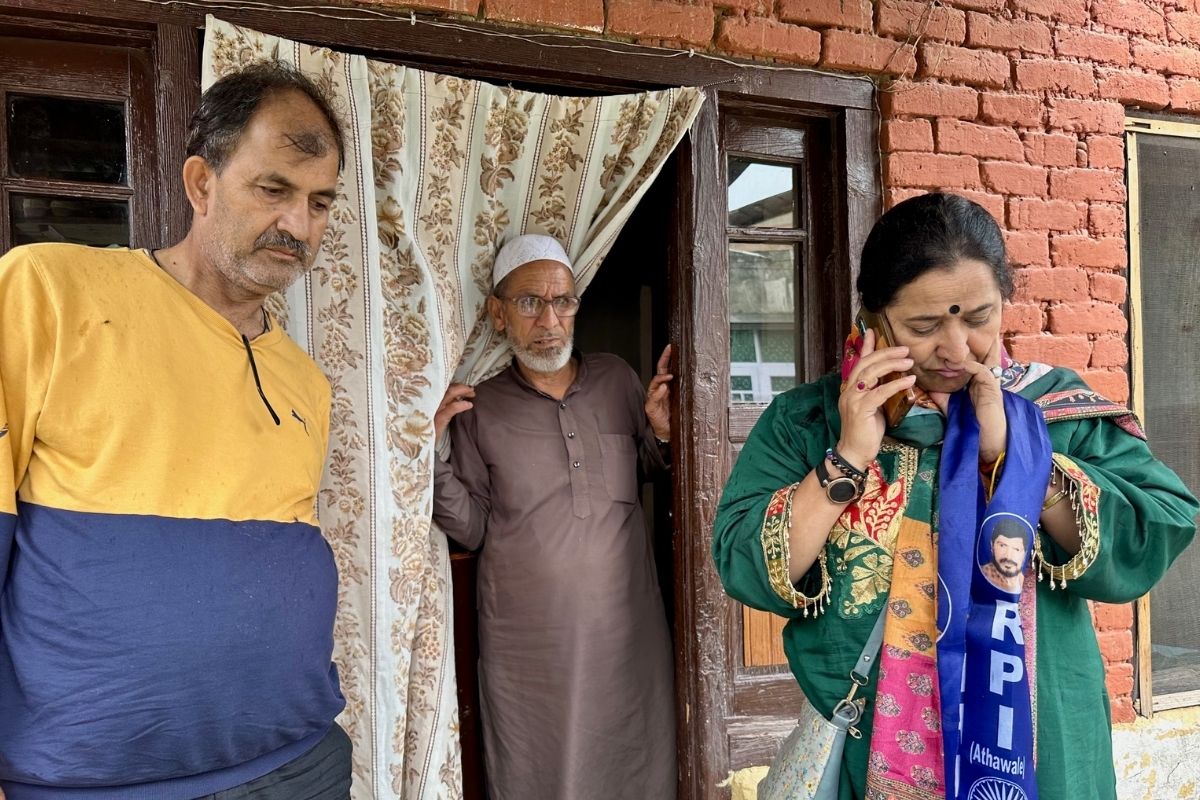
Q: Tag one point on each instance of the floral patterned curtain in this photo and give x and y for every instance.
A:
(439, 172)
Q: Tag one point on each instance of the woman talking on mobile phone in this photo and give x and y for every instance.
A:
(974, 531)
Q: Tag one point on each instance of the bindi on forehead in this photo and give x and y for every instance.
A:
(954, 309)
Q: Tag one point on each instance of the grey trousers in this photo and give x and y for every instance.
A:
(322, 773)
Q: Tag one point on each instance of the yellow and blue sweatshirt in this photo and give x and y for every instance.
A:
(166, 596)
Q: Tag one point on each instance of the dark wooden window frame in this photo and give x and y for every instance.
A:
(159, 91)
(799, 140)
(707, 623)
(85, 72)
(782, 142)
(804, 143)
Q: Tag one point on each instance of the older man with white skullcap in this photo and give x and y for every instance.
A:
(543, 475)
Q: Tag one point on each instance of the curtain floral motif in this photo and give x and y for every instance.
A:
(440, 171)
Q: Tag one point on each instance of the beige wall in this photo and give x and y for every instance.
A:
(1159, 758)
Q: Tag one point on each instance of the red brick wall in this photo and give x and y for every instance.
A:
(1018, 104)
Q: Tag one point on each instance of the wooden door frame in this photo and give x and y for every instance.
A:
(707, 623)
(710, 692)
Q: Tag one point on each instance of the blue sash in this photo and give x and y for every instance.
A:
(983, 547)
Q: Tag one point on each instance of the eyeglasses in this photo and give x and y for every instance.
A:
(529, 305)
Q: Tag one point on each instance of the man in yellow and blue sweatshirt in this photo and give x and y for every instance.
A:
(166, 597)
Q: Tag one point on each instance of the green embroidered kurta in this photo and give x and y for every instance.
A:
(1143, 518)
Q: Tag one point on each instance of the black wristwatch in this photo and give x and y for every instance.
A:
(839, 490)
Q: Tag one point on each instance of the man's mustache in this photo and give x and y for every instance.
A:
(278, 240)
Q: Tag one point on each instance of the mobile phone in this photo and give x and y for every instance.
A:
(896, 407)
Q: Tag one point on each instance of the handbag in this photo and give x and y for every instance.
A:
(809, 764)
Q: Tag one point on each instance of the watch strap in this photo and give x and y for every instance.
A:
(822, 473)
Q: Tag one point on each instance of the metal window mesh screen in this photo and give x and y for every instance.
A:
(1169, 196)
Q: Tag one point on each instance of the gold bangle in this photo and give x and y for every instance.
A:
(1054, 500)
(995, 473)
(989, 473)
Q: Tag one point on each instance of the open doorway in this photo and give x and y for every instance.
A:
(624, 312)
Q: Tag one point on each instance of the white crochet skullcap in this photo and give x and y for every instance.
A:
(526, 248)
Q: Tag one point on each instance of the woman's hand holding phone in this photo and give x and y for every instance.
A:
(861, 410)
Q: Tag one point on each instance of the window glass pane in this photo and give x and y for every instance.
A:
(761, 195)
(741, 344)
(762, 303)
(762, 283)
(65, 138)
(1170, 219)
(779, 345)
(38, 218)
(741, 388)
(782, 384)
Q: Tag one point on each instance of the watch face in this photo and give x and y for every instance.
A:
(842, 490)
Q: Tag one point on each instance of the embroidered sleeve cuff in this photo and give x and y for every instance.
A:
(775, 543)
(1084, 497)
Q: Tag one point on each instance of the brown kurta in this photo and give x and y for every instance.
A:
(575, 657)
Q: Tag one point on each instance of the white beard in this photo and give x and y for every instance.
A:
(546, 363)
